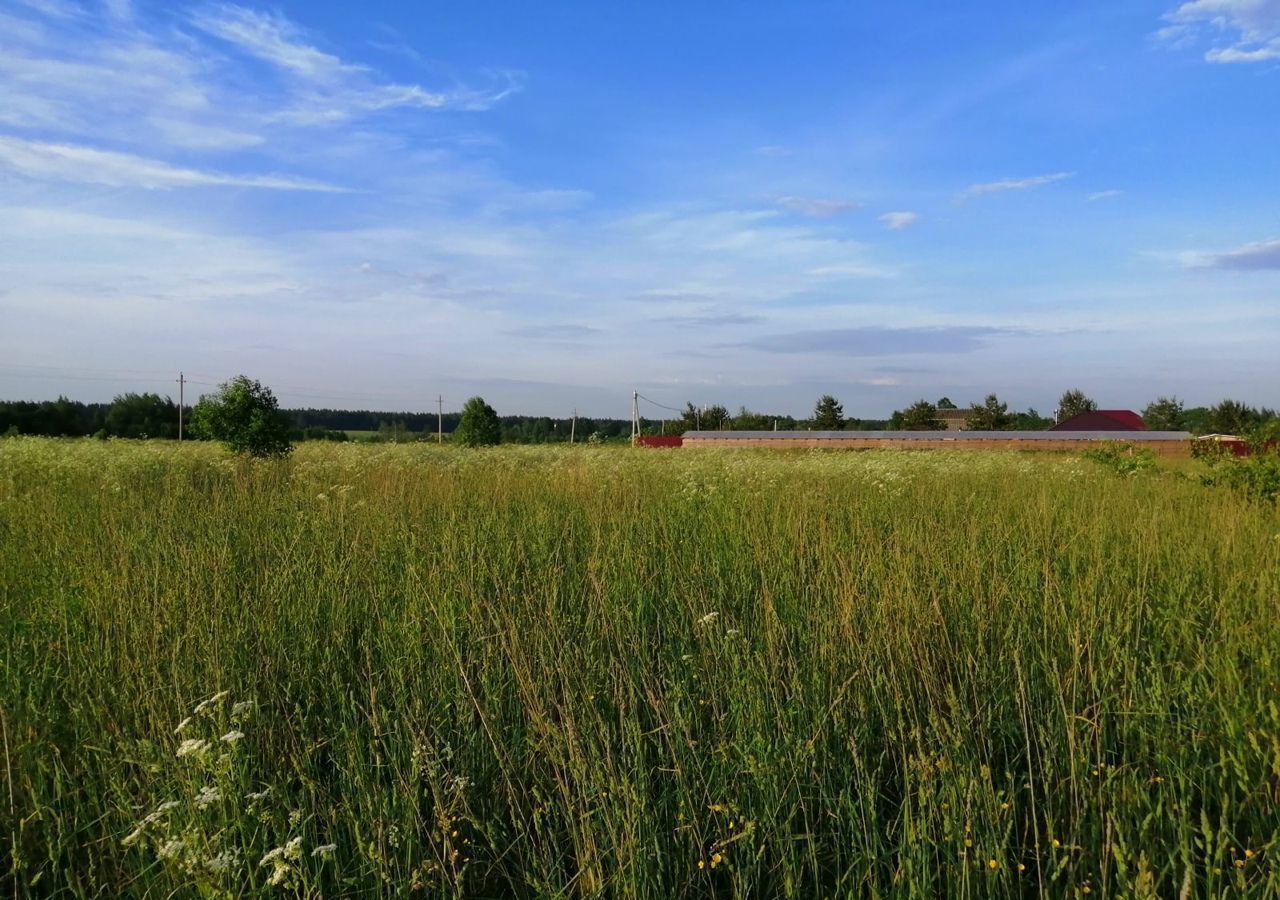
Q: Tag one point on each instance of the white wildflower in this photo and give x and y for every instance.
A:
(278, 875)
(211, 702)
(223, 862)
(170, 849)
(207, 797)
(324, 850)
(243, 708)
(193, 747)
(295, 817)
(256, 796)
(293, 849)
(183, 724)
(167, 805)
(708, 618)
(231, 737)
(132, 837)
(272, 855)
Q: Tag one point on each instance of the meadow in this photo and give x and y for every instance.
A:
(410, 670)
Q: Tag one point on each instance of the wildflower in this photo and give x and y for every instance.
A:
(716, 859)
(223, 862)
(702, 864)
(132, 837)
(232, 736)
(708, 618)
(295, 817)
(1239, 863)
(170, 849)
(1004, 805)
(256, 796)
(993, 864)
(242, 708)
(324, 850)
(193, 747)
(1022, 867)
(1248, 854)
(210, 703)
(183, 724)
(1055, 843)
(207, 797)
(293, 849)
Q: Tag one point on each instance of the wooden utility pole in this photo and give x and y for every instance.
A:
(182, 383)
(573, 427)
(439, 418)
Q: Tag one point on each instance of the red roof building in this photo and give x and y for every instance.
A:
(1103, 420)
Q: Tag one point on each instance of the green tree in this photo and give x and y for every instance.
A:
(990, 415)
(1072, 403)
(828, 414)
(921, 416)
(245, 416)
(479, 425)
(1232, 417)
(945, 403)
(142, 416)
(1164, 414)
(1030, 421)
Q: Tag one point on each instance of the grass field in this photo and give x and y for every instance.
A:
(541, 672)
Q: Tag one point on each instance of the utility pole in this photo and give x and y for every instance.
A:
(573, 427)
(635, 415)
(182, 383)
(439, 418)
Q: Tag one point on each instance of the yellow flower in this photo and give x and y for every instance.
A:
(702, 864)
(716, 859)
(1004, 805)
(993, 864)
(1248, 854)
(1056, 844)
(1022, 867)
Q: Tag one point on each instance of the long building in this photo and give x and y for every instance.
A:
(1163, 443)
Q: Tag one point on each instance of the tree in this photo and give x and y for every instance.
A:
(921, 416)
(945, 403)
(828, 414)
(479, 425)
(1164, 414)
(1232, 417)
(142, 416)
(1030, 421)
(1072, 403)
(245, 416)
(991, 415)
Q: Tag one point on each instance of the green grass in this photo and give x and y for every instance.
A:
(543, 672)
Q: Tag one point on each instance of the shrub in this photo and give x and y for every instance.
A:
(1122, 458)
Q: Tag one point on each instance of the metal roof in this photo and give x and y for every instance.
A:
(957, 436)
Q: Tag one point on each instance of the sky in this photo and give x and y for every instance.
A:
(554, 204)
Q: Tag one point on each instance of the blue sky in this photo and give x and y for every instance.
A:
(552, 204)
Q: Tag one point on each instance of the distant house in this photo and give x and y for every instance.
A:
(954, 419)
(1103, 420)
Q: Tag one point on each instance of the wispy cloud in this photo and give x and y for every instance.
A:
(329, 89)
(709, 320)
(899, 220)
(1103, 195)
(66, 162)
(1011, 184)
(560, 332)
(815, 207)
(881, 341)
(1260, 255)
(1252, 27)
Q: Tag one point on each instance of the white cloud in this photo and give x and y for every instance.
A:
(1260, 255)
(66, 162)
(816, 208)
(329, 90)
(1251, 26)
(899, 220)
(1012, 184)
(1103, 195)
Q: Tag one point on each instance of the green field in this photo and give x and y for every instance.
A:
(541, 672)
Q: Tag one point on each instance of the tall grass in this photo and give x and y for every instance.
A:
(591, 672)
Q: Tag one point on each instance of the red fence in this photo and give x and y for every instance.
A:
(654, 440)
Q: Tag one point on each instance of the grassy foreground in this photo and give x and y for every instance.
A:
(541, 672)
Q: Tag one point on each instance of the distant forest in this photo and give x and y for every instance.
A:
(153, 416)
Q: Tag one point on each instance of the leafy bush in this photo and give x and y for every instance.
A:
(1123, 458)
